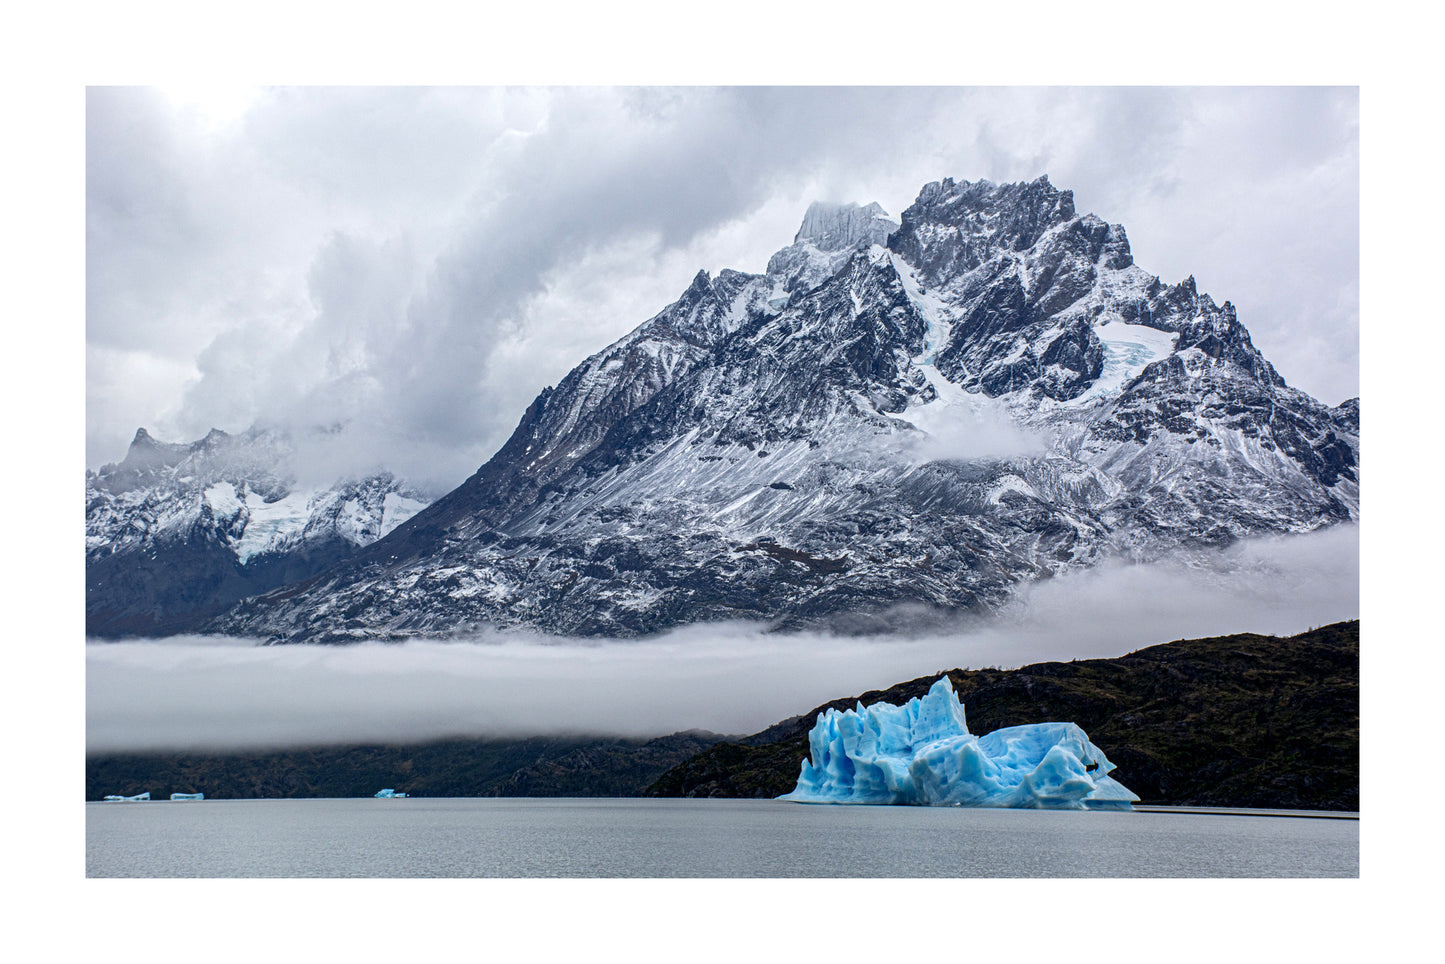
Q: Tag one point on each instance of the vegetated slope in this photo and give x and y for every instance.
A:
(995, 395)
(1234, 721)
(536, 767)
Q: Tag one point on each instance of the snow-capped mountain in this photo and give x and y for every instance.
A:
(828, 237)
(931, 412)
(176, 532)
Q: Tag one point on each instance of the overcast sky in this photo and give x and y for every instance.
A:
(417, 263)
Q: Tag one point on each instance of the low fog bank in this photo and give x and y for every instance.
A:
(205, 693)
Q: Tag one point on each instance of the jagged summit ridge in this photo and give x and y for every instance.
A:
(996, 394)
(1015, 214)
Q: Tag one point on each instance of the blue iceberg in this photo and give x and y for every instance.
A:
(922, 754)
(188, 796)
(389, 794)
(138, 798)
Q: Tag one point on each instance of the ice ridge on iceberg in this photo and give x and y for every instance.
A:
(922, 754)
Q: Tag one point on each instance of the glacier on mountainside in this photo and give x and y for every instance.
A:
(922, 754)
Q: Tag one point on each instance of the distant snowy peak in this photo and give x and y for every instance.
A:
(147, 452)
(829, 236)
(149, 461)
(837, 227)
(177, 529)
(243, 488)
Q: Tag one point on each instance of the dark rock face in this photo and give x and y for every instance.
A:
(953, 228)
(1348, 414)
(998, 395)
(1232, 721)
(191, 578)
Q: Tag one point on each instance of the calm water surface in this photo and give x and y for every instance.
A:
(693, 838)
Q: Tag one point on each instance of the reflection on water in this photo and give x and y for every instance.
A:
(693, 838)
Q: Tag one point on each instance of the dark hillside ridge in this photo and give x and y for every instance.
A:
(177, 533)
(1229, 721)
(535, 767)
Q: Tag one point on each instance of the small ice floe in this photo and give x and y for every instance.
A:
(388, 794)
(188, 796)
(138, 798)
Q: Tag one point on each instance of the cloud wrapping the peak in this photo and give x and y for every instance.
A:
(223, 693)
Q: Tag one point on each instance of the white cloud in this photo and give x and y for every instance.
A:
(730, 678)
(962, 431)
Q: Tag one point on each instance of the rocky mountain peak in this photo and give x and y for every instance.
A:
(837, 227)
(1013, 216)
(829, 235)
(700, 285)
(145, 443)
(146, 453)
(997, 395)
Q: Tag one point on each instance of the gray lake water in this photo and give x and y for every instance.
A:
(463, 837)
